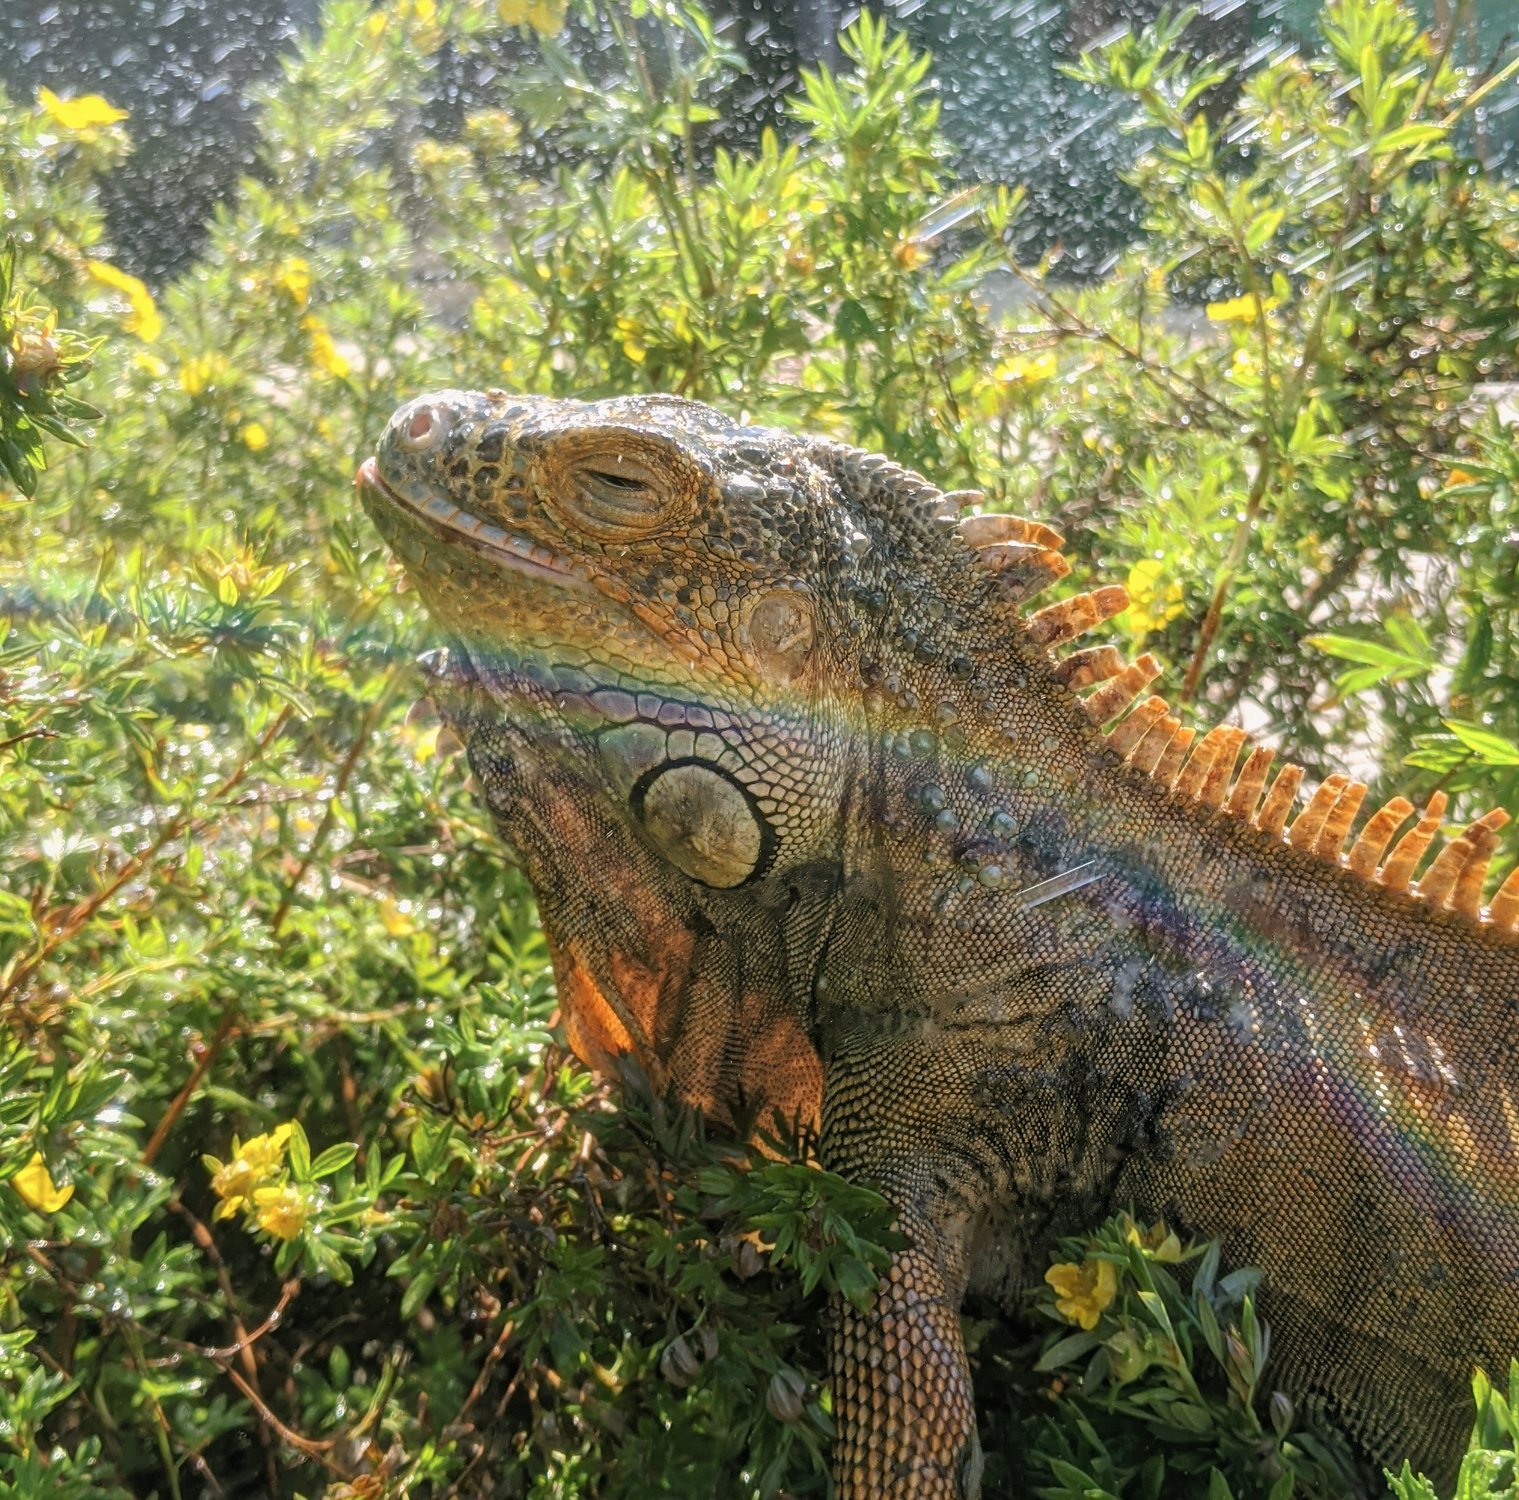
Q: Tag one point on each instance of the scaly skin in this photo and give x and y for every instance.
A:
(785, 761)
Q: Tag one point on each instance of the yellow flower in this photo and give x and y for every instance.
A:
(38, 1190)
(35, 356)
(254, 1163)
(233, 1184)
(266, 1153)
(907, 252)
(254, 435)
(420, 17)
(1246, 309)
(294, 278)
(1150, 603)
(492, 130)
(798, 257)
(150, 364)
(1082, 1292)
(200, 374)
(632, 340)
(1026, 369)
(395, 921)
(143, 320)
(324, 353)
(1161, 1242)
(282, 1211)
(84, 115)
(546, 17)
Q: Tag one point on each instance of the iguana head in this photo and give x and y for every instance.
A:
(637, 594)
(635, 583)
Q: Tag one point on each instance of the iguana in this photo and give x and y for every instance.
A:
(821, 827)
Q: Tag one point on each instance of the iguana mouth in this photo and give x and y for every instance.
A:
(454, 524)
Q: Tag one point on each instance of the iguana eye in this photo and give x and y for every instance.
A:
(616, 481)
(614, 494)
(612, 488)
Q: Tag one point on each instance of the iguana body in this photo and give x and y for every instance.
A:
(819, 826)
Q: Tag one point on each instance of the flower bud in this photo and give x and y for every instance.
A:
(784, 1398)
(679, 1363)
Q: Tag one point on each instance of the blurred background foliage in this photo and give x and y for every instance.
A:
(299, 1193)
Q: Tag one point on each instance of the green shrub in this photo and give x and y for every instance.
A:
(301, 1194)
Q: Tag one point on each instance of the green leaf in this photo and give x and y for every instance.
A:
(417, 1292)
(333, 1159)
(1492, 749)
(1408, 136)
(300, 1153)
(1156, 1307)
(1066, 1351)
(1263, 226)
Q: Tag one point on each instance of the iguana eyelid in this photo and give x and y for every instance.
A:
(604, 501)
(612, 494)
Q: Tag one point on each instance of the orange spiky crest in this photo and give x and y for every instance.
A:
(1153, 742)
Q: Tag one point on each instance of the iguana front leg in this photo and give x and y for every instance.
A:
(906, 1426)
(901, 1389)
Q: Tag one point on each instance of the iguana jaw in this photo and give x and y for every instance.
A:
(457, 527)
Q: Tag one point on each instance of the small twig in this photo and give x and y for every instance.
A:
(1447, 45)
(493, 1358)
(319, 1449)
(187, 1089)
(1158, 375)
(1237, 549)
(82, 911)
(41, 733)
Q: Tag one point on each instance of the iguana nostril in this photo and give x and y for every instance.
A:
(424, 429)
